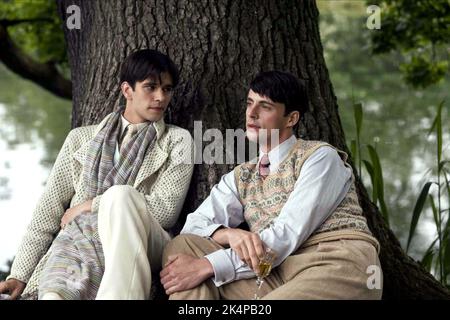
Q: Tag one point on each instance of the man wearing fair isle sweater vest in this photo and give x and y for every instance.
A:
(298, 199)
(115, 190)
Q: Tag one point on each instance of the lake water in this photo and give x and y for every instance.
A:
(33, 125)
(22, 184)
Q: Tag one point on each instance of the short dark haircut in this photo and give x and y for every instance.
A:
(146, 63)
(282, 87)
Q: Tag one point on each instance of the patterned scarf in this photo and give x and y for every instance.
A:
(76, 248)
(100, 172)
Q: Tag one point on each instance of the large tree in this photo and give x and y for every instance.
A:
(220, 45)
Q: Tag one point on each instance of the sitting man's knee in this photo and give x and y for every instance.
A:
(117, 197)
(119, 192)
(180, 244)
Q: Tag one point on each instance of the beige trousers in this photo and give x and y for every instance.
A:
(334, 269)
(133, 242)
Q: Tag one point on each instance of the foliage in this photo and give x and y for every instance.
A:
(440, 256)
(373, 166)
(419, 30)
(434, 259)
(40, 35)
(397, 117)
(441, 215)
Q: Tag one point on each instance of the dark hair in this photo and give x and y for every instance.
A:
(282, 87)
(147, 63)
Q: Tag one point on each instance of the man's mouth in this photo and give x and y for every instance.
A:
(252, 126)
(157, 108)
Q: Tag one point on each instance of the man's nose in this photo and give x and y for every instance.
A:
(159, 94)
(252, 111)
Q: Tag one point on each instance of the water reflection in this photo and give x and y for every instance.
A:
(33, 125)
(5, 191)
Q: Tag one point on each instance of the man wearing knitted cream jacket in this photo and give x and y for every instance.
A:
(298, 199)
(114, 191)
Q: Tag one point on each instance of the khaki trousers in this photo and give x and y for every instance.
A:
(132, 241)
(335, 269)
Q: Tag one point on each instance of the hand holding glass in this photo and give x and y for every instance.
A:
(264, 268)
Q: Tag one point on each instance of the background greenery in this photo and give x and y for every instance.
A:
(397, 115)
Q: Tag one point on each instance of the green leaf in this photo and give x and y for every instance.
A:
(369, 169)
(378, 181)
(447, 186)
(357, 109)
(375, 162)
(447, 258)
(433, 126)
(428, 256)
(422, 71)
(439, 131)
(427, 260)
(435, 212)
(417, 212)
(384, 209)
(442, 164)
(353, 149)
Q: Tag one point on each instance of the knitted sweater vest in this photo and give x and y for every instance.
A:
(263, 199)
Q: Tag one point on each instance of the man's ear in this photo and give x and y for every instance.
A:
(127, 90)
(294, 116)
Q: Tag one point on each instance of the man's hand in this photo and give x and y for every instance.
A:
(183, 272)
(13, 287)
(71, 213)
(248, 245)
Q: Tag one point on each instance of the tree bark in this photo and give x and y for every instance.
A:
(219, 47)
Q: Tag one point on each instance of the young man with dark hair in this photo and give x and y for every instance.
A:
(298, 199)
(114, 192)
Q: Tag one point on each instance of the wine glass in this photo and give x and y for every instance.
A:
(264, 268)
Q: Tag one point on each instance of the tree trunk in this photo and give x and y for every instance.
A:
(219, 47)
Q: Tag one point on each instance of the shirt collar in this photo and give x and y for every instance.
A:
(125, 123)
(277, 154)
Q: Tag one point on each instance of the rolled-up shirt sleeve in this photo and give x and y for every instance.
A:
(221, 208)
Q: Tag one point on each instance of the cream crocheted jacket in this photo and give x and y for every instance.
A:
(163, 178)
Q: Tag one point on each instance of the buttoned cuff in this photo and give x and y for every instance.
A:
(223, 267)
(16, 277)
(202, 232)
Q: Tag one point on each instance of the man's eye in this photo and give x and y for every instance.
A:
(168, 89)
(151, 88)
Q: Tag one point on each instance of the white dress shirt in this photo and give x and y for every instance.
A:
(322, 185)
(125, 123)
